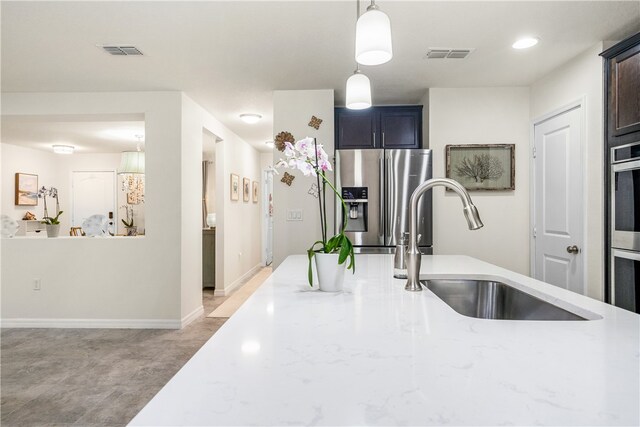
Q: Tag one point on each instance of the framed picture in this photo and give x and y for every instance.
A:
(488, 167)
(235, 187)
(255, 192)
(26, 189)
(246, 182)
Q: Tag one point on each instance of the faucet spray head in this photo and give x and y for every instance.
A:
(472, 216)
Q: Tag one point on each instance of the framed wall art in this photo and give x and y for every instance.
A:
(246, 182)
(235, 187)
(255, 192)
(26, 189)
(488, 167)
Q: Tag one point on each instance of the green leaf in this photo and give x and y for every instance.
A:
(310, 253)
(333, 243)
(352, 257)
(345, 250)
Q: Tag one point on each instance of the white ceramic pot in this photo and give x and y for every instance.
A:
(330, 273)
(53, 230)
(132, 231)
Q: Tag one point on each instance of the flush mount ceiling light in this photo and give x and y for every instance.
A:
(525, 42)
(269, 144)
(358, 91)
(63, 149)
(250, 118)
(373, 37)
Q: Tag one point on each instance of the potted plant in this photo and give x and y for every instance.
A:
(52, 224)
(132, 230)
(330, 254)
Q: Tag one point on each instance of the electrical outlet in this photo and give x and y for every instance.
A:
(36, 284)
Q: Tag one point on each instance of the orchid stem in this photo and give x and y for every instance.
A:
(323, 219)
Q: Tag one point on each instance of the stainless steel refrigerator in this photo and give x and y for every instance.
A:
(376, 186)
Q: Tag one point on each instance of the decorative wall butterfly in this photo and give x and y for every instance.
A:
(314, 191)
(315, 122)
(287, 178)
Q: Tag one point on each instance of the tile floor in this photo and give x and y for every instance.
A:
(92, 377)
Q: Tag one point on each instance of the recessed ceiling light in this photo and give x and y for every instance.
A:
(63, 149)
(269, 144)
(525, 42)
(250, 118)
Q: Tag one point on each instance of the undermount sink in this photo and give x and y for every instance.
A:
(485, 299)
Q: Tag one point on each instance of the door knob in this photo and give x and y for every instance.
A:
(573, 249)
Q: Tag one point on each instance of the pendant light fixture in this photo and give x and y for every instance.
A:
(132, 171)
(373, 37)
(358, 85)
(358, 91)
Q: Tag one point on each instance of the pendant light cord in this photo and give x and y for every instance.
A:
(357, 17)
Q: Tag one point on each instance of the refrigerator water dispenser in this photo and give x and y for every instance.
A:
(357, 206)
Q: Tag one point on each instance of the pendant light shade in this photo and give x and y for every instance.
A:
(358, 91)
(373, 37)
(132, 162)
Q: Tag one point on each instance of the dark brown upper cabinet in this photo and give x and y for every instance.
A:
(379, 127)
(622, 83)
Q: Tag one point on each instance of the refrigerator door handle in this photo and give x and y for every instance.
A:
(389, 185)
(381, 210)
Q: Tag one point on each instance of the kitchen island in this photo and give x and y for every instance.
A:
(376, 354)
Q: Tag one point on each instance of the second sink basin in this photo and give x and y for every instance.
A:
(485, 299)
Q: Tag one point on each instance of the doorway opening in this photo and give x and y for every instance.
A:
(209, 212)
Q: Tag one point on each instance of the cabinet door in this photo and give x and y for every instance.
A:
(355, 129)
(401, 127)
(624, 93)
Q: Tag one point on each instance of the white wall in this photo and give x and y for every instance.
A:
(106, 282)
(292, 110)
(238, 232)
(482, 116)
(582, 77)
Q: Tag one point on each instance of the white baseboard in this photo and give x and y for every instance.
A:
(93, 323)
(238, 282)
(192, 316)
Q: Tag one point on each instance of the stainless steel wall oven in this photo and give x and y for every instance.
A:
(625, 227)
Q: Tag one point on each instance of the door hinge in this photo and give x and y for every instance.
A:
(534, 232)
(534, 152)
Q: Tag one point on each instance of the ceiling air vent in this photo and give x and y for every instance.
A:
(446, 53)
(121, 50)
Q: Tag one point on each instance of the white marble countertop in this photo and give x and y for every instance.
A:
(378, 355)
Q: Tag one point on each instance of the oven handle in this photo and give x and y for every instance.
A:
(621, 167)
(621, 253)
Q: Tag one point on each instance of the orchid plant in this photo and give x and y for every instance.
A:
(307, 156)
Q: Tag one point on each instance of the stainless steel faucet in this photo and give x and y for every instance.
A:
(413, 253)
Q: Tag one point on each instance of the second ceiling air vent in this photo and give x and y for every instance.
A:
(447, 53)
(121, 50)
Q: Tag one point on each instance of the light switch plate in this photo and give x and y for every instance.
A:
(294, 214)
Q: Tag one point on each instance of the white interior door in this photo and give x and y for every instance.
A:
(92, 193)
(558, 201)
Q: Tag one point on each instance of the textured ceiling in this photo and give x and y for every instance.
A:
(230, 56)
